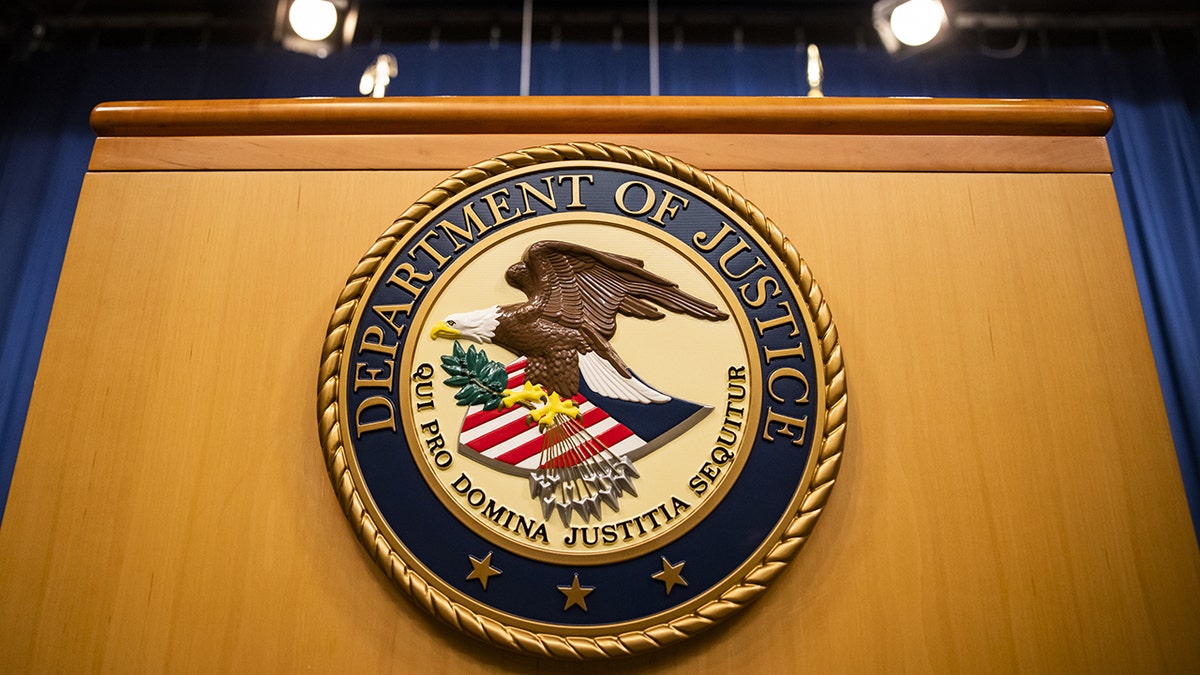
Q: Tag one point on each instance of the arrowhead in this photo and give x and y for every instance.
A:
(541, 485)
(625, 483)
(564, 512)
(609, 495)
(591, 507)
(626, 467)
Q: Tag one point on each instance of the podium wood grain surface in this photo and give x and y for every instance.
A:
(1009, 498)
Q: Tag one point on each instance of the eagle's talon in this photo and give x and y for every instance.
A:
(528, 393)
(555, 406)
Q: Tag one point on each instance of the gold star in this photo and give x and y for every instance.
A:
(575, 594)
(671, 575)
(483, 569)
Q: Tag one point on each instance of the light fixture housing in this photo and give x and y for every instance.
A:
(907, 27)
(291, 37)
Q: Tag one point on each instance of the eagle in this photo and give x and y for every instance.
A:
(564, 327)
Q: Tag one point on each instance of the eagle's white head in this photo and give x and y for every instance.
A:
(477, 326)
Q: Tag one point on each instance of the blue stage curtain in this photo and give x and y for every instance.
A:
(45, 143)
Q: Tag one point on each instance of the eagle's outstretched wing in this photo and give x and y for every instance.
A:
(576, 286)
(584, 289)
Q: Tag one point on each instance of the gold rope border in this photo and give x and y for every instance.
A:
(545, 644)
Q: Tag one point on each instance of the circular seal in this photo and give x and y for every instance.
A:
(582, 401)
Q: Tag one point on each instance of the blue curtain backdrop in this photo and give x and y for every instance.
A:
(45, 143)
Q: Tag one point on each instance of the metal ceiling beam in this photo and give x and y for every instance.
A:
(1074, 22)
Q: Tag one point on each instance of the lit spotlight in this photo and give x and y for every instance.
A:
(378, 75)
(908, 26)
(313, 19)
(317, 27)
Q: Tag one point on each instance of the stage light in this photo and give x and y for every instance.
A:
(815, 72)
(908, 26)
(317, 27)
(378, 75)
(313, 19)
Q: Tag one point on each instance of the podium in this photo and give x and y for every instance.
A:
(1009, 497)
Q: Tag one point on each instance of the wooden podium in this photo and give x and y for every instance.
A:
(1009, 497)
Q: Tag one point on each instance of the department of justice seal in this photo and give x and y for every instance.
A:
(582, 401)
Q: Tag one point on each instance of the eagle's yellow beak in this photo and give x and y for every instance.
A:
(441, 330)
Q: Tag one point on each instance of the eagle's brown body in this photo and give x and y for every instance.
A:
(552, 350)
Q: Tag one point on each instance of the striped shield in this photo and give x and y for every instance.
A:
(507, 440)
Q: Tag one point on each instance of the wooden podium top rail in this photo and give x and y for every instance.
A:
(739, 133)
(626, 114)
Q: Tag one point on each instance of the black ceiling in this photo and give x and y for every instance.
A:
(48, 24)
(247, 8)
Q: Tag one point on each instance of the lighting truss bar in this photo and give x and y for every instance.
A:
(1074, 22)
